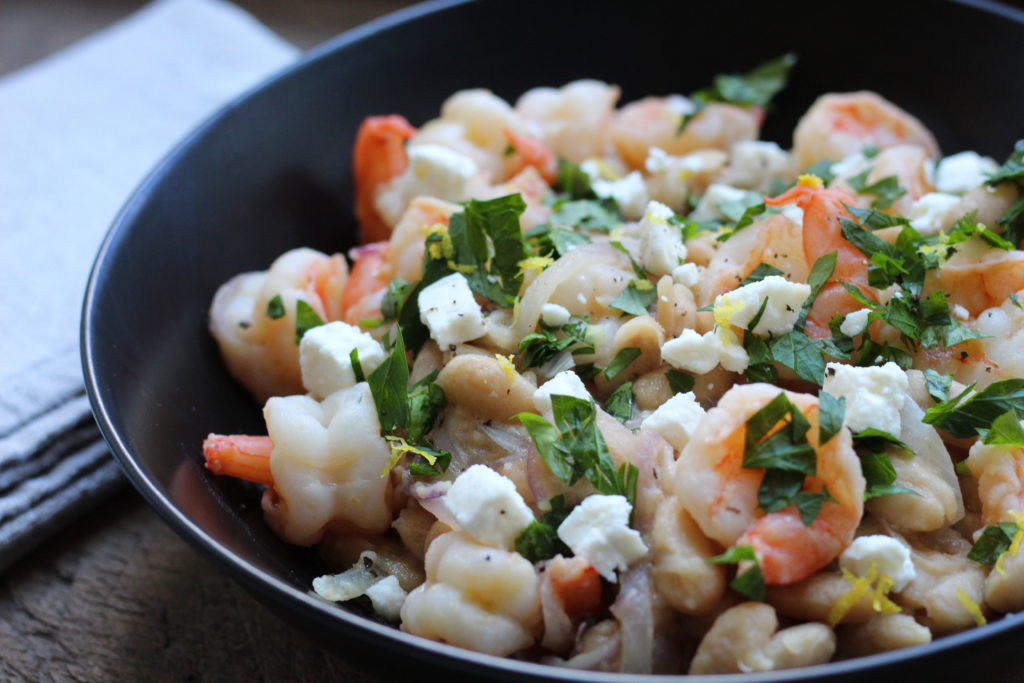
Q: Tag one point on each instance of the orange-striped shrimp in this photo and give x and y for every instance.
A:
(722, 495)
(999, 471)
(379, 155)
(532, 153)
(654, 122)
(577, 585)
(371, 273)
(240, 456)
(822, 234)
(840, 124)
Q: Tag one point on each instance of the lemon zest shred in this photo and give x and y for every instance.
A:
(724, 313)
(400, 447)
(505, 363)
(810, 180)
(643, 285)
(880, 601)
(1015, 543)
(459, 268)
(860, 587)
(616, 234)
(972, 607)
(538, 263)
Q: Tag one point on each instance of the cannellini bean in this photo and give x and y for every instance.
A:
(940, 560)
(813, 598)
(413, 524)
(484, 599)
(744, 639)
(643, 333)
(651, 390)
(1004, 590)
(391, 556)
(481, 386)
(572, 120)
(677, 309)
(884, 633)
(409, 235)
(682, 575)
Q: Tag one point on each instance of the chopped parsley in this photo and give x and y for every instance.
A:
(585, 214)
(275, 308)
(539, 540)
(573, 181)
(679, 382)
(830, 417)
(622, 360)
(1005, 431)
(762, 271)
(546, 240)
(993, 542)
(1012, 171)
(305, 319)
(749, 583)
(537, 348)
(574, 448)
(636, 298)
(970, 417)
(938, 385)
(754, 89)
(876, 465)
(886, 191)
(620, 403)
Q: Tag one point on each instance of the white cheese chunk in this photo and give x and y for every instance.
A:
(961, 172)
(732, 356)
(449, 310)
(554, 315)
(889, 556)
(753, 164)
(661, 244)
(487, 507)
(855, 323)
(598, 530)
(629, 192)
(691, 351)
(785, 300)
(716, 195)
(960, 312)
(325, 357)
(387, 597)
(437, 171)
(676, 419)
(874, 394)
(687, 275)
(566, 383)
(852, 165)
(934, 212)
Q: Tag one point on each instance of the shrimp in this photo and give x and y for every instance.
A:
(721, 494)
(365, 288)
(999, 471)
(823, 210)
(776, 241)
(532, 153)
(840, 124)
(239, 456)
(258, 344)
(405, 251)
(379, 155)
(654, 122)
(978, 277)
(572, 121)
(577, 584)
(909, 164)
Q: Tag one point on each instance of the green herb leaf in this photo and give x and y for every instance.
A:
(830, 418)
(573, 180)
(620, 404)
(486, 237)
(622, 360)
(876, 220)
(1012, 221)
(636, 298)
(585, 214)
(679, 382)
(993, 542)
(786, 448)
(743, 220)
(554, 241)
(1005, 430)
(966, 228)
(394, 298)
(425, 401)
(1012, 169)
(305, 319)
(938, 384)
(1014, 300)
(821, 273)
(389, 384)
(275, 308)
(357, 367)
(751, 582)
(421, 467)
(756, 88)
(976, 414)
(801, 354)
(539, 541)
(762, 271)
(886, 191)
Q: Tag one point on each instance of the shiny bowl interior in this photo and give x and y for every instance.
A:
(271, 171)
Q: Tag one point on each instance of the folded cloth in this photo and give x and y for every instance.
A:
(78, 131)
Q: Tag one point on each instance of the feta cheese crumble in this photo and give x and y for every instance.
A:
(753, 164)
(934, 212)
(676, 419)
(387, 597)
(716, 195)
(598, 530)
(889, 556)
(437, 171)
(874, 395)
(554, 315)
(855, 323)
(961, 172)
(785, 299)
(687, 275)
(449, 310)
(629, 192)
(850, 166)
(700, 353)
(487, 507)
(325, 357)
(566, 383)
(661, 244)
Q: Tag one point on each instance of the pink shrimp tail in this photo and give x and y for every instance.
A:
(240, 456)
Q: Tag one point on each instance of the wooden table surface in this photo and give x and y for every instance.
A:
(118, 596)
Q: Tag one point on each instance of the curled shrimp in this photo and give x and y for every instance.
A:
(979, 277)
(240, 456)
(840, 124)
(367, 283)
(721, 494)
(999, 471)
(379, 155)
(822, 234)
(532, 153)
(257, 343)
(654, 122)
(571, 121)
(908, 164)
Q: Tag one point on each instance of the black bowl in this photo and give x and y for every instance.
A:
(272, 171)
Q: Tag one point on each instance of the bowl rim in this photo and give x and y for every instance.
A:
(306, 606)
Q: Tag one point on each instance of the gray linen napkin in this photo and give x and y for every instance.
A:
(78, 131)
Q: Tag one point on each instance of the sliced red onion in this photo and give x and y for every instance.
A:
(431, 498)
(634, 609)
